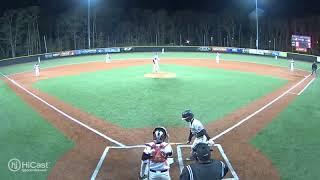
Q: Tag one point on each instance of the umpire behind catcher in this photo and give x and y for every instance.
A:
(205, 168)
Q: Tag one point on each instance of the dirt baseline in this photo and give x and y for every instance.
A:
(80, 162)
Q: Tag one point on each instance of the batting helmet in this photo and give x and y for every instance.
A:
(160, 134)
(187, 115)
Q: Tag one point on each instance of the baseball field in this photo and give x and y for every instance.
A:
(87, 119)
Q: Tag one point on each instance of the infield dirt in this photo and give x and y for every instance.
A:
(80, 162)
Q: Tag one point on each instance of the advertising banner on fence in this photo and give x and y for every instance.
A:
(219, 49)
(235, 50)
(204, 49)
(256, 52)
(283, 54)
(66, 53)
(127, 49)
(48, 55)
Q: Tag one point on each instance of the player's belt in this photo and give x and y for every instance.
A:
(165, 170)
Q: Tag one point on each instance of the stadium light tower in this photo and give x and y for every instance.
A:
(89, 42)
(257, 41)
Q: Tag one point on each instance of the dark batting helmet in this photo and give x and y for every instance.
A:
(187, 115)
(160, 134)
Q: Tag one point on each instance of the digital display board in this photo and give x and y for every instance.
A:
(301, 42)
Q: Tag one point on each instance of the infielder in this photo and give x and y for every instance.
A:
(292, 65)
(36, 69)
(217, 58)
(108, 58)
(156, 156)
(196, 129)
(162, 50)
(155, 61)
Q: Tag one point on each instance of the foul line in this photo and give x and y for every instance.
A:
(306, 87)
(63, 113)
(258, 111)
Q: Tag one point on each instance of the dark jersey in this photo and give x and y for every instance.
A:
(213, 170)
(314, 66)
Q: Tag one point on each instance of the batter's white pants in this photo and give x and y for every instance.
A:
(198, 140)
(159, 175)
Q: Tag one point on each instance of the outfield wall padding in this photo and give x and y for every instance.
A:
(209, 49)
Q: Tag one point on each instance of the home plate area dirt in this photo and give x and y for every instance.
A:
(80, 162)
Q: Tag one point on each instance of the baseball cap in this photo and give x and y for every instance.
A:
(202, 151)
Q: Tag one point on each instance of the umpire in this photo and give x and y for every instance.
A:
(314, 68)
(205, 168)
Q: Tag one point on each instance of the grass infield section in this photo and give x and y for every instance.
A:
(124, 97)
(26, 136)
(147, 55)
(292, 140)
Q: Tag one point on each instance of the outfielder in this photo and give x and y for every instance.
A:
(36, 69)
(196, 129)
(155, 61)
(217, 58)
(292, 65)
(108, 58)
(156, 156)
(314, 68)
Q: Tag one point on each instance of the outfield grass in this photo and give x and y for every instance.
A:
(292, 140)
(126, 98)
(26, 136)
(125, 56)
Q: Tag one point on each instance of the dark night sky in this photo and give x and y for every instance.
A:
(285, 8)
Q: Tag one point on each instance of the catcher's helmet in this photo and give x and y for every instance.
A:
(160, 134)
(187, 115)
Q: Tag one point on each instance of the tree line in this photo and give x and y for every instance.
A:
(22, 34)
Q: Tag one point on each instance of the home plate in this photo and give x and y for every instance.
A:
(160, 75)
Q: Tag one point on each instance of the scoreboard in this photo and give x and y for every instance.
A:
(301, 43)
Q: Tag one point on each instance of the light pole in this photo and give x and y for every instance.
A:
(89, 42)
(257, 41)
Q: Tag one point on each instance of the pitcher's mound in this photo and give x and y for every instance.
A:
(160, 75)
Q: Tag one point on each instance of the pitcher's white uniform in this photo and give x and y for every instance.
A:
(195, 128)
(157, 170)
(217, 58)
(155, 61)
(36, 69)
(108, 58)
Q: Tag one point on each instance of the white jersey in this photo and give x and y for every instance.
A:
(196, 126)
(157, 166)
(156, 57)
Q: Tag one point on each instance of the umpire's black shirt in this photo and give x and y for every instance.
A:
(212, 170)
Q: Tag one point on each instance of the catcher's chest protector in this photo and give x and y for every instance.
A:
(158, 155)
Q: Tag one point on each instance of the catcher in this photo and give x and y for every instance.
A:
(156, 155)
